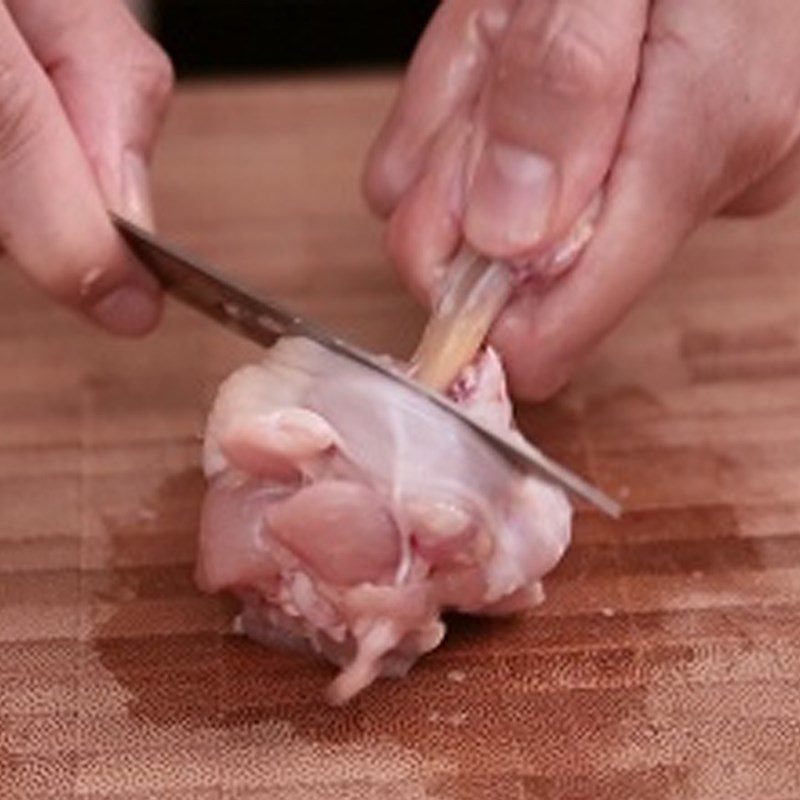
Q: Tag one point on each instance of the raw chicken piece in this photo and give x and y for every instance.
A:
(348, 513)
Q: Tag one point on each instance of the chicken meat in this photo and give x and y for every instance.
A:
(348, 513)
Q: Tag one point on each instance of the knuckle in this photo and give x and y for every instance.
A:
(153, 73)
(574, 63)
(568, 60)
(672, 43)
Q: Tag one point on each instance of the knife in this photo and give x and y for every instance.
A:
(264, 322)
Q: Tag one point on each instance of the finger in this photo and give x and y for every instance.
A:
(114, 83)
(444, 77)
(53, 221)
(425, 229)
(552, 116)
(688, 149)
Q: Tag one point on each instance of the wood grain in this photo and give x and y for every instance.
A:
(666, 661)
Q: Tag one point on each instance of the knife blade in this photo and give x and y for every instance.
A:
(205, 289)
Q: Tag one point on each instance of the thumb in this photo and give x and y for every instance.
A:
(550, 121)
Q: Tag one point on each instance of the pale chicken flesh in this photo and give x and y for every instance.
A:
(349, 513)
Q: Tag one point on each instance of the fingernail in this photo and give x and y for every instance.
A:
(510, 201)
(129, 311)
(136, 198)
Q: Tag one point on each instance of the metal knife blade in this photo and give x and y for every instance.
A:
(206, 290)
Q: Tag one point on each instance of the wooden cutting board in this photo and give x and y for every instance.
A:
(666, 660)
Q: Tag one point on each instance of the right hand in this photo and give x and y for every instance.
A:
(515, 113)
(83, 91)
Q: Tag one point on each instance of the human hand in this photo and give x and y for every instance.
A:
(514, 114)
(82, 95)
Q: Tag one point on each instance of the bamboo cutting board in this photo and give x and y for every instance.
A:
(665, 663)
